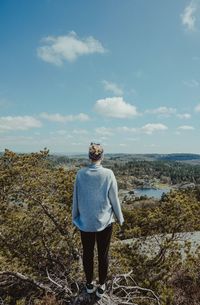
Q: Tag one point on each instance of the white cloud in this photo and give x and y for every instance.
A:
(184, 115)
(112, 87)
(57, 117)
(126, 129)
(185, 127)
(115, 107)
(191, 83)
(163, 110)
(104, 131)
(19, 123)
(57, 49)
(197, 108)
(188, 17)
(152, 127)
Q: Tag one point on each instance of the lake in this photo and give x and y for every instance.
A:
(150, 192)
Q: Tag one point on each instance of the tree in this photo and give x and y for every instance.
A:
(36, 236)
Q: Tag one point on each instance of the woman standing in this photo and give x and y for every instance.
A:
(95, 203)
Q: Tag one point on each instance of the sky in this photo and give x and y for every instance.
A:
(125, 74)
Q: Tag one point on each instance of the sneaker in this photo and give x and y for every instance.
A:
(101, 290)
(90, 288)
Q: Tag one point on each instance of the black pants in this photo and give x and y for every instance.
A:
(103, 242)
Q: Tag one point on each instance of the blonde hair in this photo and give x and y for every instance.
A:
(95, 151)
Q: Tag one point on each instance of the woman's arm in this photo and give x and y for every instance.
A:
(113, 196)
(75, 211)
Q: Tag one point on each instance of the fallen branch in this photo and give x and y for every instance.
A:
(121, 290)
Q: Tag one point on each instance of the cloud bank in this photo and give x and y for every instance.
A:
(112, 87)
(163, 110)
(18, 123)
(188, 16)
(57, 117)
(186, 127)
(57, 49)
(115, 107)
(197, 108)
(152, 127)
(184, 115)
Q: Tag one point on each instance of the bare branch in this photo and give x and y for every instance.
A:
(5, 275)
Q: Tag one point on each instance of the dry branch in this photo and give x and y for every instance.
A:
(121, 290)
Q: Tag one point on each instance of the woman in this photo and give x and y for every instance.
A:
(95, 203)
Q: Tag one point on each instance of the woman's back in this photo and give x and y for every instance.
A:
(95, 198)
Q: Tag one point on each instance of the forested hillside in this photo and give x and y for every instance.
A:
(153, 166)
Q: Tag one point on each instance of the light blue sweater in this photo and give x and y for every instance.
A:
(95, 199)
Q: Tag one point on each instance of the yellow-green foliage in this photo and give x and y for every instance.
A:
(36, 232)
(177, 211)
(35, 215)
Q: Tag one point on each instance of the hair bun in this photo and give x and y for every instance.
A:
(95, 151)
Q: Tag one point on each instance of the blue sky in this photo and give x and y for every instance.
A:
(125, 74)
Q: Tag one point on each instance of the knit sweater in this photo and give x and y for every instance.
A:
(95, 199)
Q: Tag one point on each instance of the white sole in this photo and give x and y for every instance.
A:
(99, 295)
(90, 290)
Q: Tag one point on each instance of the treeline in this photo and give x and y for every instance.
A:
(177, 172)
(178, 157)
(164, 168)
